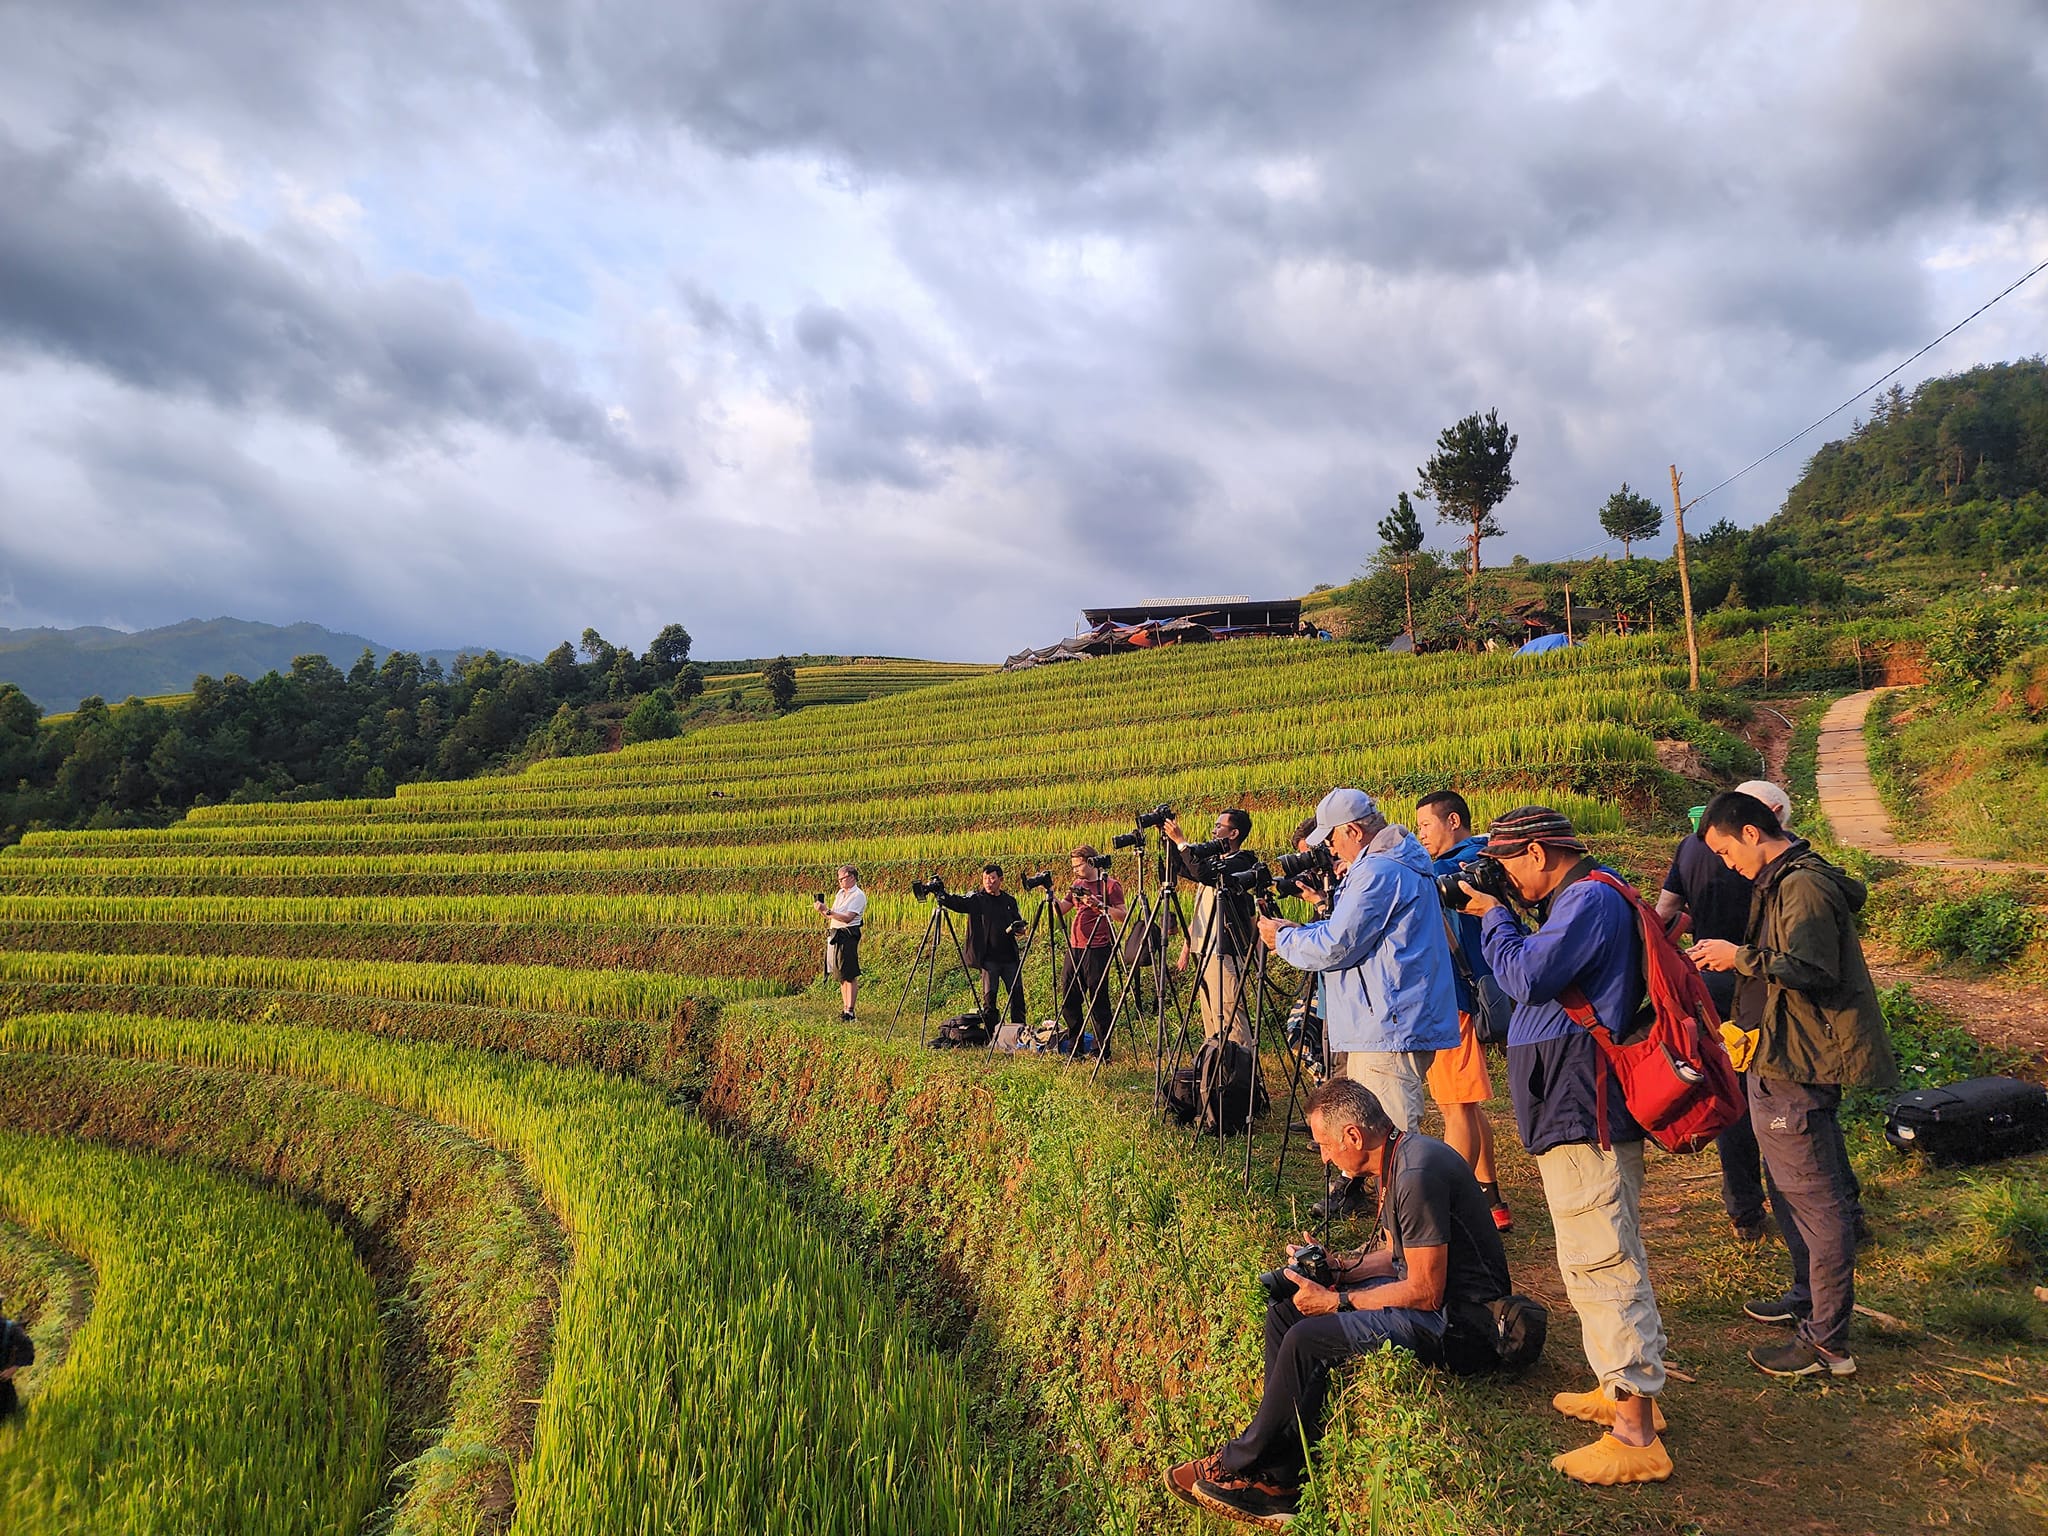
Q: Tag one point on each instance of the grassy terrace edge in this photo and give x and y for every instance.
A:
(1102, 1278)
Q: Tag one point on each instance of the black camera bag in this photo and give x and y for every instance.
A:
(1227, 1084)
(959, 1031)
(1973, 1121)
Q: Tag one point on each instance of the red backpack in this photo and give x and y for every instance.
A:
(1675, 1074)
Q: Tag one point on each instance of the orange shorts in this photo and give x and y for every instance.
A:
(1459, 1075)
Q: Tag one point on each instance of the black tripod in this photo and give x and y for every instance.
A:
(927, 958)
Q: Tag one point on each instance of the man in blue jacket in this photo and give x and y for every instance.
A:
(1390, 999)
(1592, 1173)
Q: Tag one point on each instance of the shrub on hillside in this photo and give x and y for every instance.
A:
(652, 719)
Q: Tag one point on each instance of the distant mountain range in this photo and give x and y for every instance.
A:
(58, 667)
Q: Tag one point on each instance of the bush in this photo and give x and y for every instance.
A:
(1968, 646)
(1988, 929)
(652, 719)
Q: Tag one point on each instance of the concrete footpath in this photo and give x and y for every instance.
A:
(1849, 799)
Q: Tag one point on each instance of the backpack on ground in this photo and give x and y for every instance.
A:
(1505, 1335)
(1674, 1071)
(960, 1031)
(1227, 1085)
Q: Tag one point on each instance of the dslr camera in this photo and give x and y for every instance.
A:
(1102, 860)
(1303, 872)
(1128, 840)
(925, 890)
(1158, 816)
(1202, 853)
(1311, 1263)
(1042, 881)
(1485, 875)
(1257, 878)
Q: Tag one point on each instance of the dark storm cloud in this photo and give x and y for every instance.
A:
(111, 273)
(1128, 294)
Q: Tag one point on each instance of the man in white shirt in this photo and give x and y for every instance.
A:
(842, 936)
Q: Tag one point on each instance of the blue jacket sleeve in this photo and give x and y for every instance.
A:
(1355, 927)
(1535, 967)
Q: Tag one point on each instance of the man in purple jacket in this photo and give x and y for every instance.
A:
(1589, 937)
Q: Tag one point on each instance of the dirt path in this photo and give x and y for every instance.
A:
(1850, 800)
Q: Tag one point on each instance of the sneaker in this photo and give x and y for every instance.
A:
(1799, 1358)
(1346, 1197)
(846, 1015)
(1608, 1461)
(1242, 1496)
(1180, 1481)
(1779, 1311)
(1503, 1218)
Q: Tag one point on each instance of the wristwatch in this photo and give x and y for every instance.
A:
(1344, 1302)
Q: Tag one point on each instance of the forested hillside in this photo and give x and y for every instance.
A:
(1954, 473)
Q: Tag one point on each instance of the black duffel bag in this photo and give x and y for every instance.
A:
(1973, 1121)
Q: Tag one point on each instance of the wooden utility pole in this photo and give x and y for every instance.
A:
(1692, 643)
(1408, 599)
(1569, 638)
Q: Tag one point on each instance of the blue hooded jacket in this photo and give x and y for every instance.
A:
(1589, 937)
(1388, 980)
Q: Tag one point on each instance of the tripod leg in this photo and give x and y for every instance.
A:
(929, 937)
(1297, 1075)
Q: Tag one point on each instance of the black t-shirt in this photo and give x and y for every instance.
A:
(1434, 1202)
(1716, 896)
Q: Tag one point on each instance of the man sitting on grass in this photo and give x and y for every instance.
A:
(1427, 1289)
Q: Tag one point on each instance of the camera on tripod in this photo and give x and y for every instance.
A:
(1042, 881)
(1311, 1263)
(1202, 853)
(1128, 840)
(1158, 816)
(1483, 875)
(1103, 860)
(925, 890)
(1257, 878)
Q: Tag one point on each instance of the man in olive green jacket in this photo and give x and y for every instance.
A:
(1820, 1031)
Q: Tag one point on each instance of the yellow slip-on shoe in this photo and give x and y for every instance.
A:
(1607, 1461)
(1596, 1407)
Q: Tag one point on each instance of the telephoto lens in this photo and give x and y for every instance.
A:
(1128, 840)
(1215, 849)
(1158, 816)
(1102, 861)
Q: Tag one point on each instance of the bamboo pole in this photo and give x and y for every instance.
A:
(1692, 643)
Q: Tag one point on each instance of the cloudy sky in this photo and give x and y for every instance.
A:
(912, 326)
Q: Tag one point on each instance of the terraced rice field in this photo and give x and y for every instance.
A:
(380, 1095)
(847, 682)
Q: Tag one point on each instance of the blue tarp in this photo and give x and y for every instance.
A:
(1544, 643)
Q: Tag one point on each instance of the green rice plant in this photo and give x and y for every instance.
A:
(49, 1292)
(541, 989)
(467, 1261)
(229, 1378)
(2010, 1214)
(719, 1366)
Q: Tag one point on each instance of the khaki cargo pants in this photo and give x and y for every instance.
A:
(1595, 1205)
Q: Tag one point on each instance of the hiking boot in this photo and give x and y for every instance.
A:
(1779, 1312)
(1247, 1497)
(1608, 1461)
(1596, 1407)
(1750, 1231)
(1345, 1197)
(1799, 1358)
(1503, 1218)
(1180, 1480)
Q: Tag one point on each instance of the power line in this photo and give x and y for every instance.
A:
(1865, 391)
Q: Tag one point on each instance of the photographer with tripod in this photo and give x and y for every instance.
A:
(1096, 900)
(994, 924)
(1431, 1289)
(842, 936)
(1224, 928)
(1390, 996)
